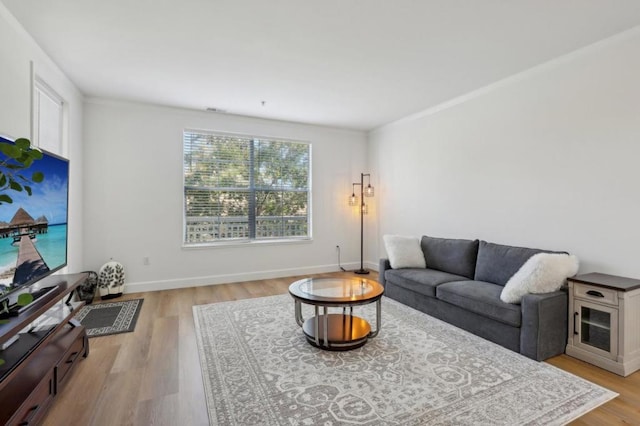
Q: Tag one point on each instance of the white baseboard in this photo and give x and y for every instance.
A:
(138, 287)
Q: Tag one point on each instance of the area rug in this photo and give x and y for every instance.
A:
(258, 369)
(102, 319)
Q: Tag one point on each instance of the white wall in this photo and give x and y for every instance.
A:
(18, 53)
(134, 206)
(546, 159)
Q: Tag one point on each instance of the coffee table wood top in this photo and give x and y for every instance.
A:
(336, 291)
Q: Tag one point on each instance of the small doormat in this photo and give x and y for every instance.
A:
(103, 319)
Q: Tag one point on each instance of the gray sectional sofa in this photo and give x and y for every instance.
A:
(462, 284)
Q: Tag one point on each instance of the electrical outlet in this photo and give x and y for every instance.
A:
(146, 261)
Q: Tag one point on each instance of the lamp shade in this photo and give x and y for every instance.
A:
(368, 191)
(353, 200)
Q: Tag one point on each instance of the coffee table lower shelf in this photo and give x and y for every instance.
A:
(344, 332)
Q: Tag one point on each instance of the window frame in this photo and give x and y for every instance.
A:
(248, 241)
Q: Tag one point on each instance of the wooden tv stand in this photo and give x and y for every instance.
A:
(49, 346)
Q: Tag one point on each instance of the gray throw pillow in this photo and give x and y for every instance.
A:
(454, 256)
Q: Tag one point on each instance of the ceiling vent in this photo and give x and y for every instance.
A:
(216, 110)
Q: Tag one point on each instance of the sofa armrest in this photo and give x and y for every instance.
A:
(384, 265)
(544, 324)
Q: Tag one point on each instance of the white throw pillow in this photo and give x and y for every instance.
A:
(541, 273)
(404, 252)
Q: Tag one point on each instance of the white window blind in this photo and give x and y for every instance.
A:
(245, 188)
(47, 117)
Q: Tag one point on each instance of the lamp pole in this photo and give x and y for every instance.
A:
(352, 201)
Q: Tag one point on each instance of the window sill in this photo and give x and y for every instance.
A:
(245, 243)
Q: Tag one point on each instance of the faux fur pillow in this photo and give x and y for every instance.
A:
(404, 252)
(541, 273)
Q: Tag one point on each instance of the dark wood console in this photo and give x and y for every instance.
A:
(50, 344)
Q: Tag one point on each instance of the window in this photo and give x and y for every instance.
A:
(48, 113)
(242, 188)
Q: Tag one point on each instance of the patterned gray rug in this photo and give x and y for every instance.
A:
(258, 369)
(103, 319)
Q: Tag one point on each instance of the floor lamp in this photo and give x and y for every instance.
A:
(353, 201)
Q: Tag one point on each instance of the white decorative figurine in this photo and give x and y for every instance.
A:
(111, 280)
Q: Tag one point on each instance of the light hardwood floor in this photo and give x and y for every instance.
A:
(152, 375)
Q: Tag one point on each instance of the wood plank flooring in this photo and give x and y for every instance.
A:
(152, 375)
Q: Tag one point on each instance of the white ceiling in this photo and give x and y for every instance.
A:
(348, 63)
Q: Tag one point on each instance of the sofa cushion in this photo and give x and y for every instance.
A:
(404, 252)
(541, 273)
(480, 297)
(450, 255)
(423, 281)
(497, 263)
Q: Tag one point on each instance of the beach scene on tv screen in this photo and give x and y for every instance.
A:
(33, 229)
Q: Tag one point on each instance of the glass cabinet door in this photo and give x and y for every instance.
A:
(596, 328)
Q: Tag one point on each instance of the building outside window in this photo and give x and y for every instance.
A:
(243, 188)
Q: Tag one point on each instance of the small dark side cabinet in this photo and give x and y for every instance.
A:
(50, 344)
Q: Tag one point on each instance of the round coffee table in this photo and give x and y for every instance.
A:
(336, 331)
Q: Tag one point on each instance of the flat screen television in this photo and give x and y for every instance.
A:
(33, 219)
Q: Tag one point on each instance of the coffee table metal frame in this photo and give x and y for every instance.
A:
(346, 317)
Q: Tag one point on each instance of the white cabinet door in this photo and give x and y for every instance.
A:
(595, 328)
